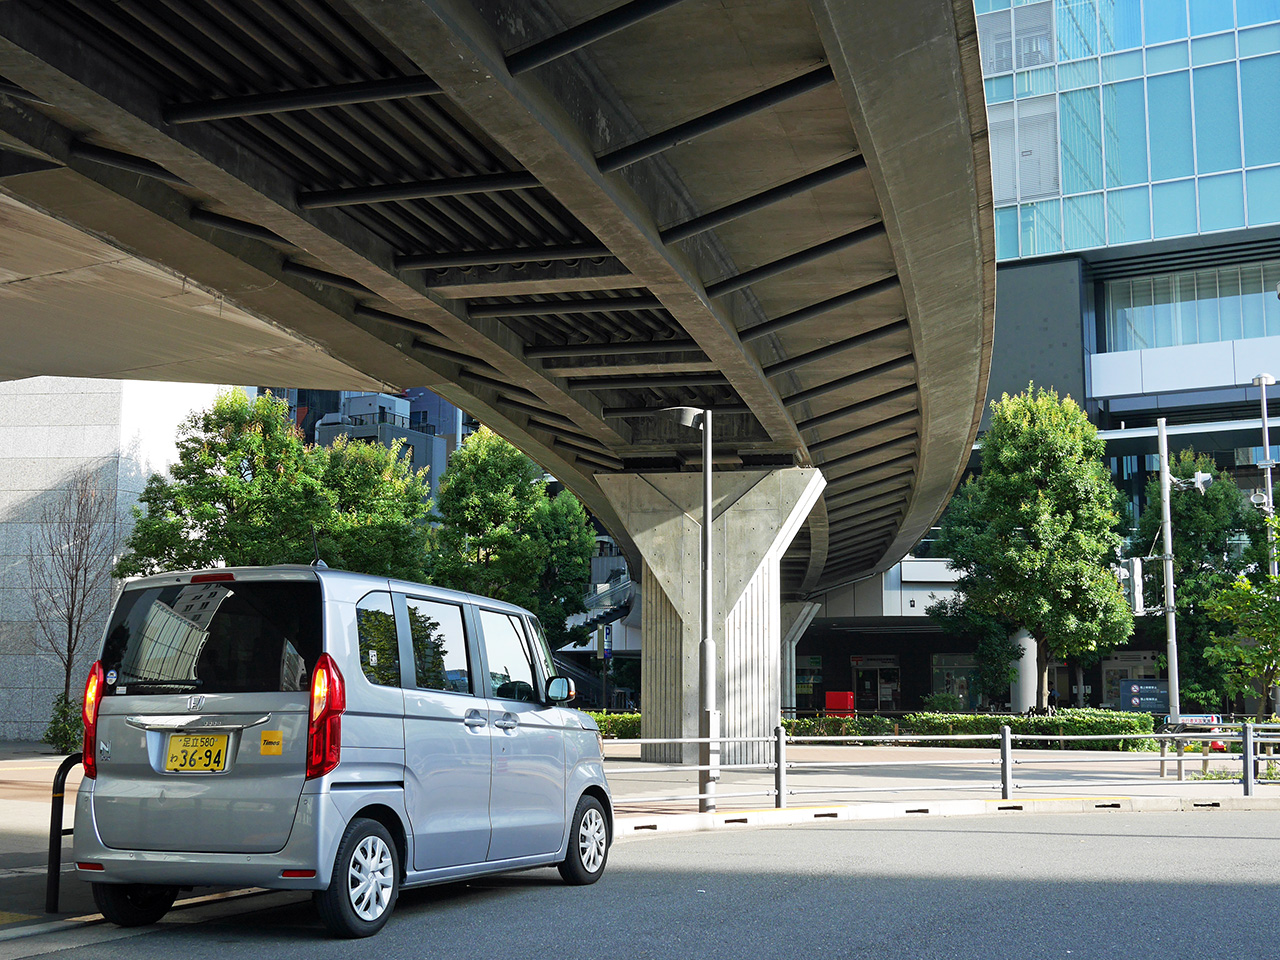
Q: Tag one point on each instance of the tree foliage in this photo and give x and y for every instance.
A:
(1249, 657)
(247, 490)
(1208, 555)
(1033, 536)
(501, 536)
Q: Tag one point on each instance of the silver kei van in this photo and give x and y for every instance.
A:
(301, 728)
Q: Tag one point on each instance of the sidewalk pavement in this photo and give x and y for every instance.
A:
(895, 783)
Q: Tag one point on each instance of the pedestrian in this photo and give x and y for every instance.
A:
(1053, 700)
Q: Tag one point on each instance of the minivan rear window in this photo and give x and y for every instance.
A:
(242, 636)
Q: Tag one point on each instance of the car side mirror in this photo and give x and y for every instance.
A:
(560, 690)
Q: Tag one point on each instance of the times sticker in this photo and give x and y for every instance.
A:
(272, 743)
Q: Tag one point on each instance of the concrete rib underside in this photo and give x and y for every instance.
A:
(587, 211)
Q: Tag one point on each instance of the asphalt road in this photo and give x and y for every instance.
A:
(1099, 886)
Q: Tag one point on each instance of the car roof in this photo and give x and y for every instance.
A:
(299, 571)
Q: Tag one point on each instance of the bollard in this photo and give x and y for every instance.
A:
(1006, 763)
(780, 770)
(56, 833)
(1247, 751)
(1164, 752)
(1182, 749)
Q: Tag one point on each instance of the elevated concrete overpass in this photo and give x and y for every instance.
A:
(561, 216)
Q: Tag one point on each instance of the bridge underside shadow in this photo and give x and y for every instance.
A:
(560, 218)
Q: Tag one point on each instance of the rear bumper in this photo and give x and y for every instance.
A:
(317, 828)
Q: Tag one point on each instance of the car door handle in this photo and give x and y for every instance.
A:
(475, 720)
(508, 722)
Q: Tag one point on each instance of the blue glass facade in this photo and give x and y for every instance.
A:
(1123, 121)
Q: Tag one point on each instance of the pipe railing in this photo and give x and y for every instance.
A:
(56, 832)
(1252, 738)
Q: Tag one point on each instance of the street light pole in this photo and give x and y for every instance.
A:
(1170, 622)
(708, 715)
(709, 722)
(1262, 380)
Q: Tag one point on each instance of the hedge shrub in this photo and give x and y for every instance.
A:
(1066, 722)
(617, 726)
(870, 725)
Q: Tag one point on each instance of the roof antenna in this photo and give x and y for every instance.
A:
(317, 562)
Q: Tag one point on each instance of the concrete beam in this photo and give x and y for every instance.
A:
(755, 516)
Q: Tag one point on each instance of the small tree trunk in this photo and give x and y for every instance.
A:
(1264, 704)
(1042, 673)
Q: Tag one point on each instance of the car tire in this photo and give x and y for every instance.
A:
(588, 844)
(133, 904)
(365, 884)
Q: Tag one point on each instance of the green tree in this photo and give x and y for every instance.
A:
(1217, 536)
(488, 497)
(1034, 534)
(247, 490)
(567, 541)
(1249, 657)
(501, 536)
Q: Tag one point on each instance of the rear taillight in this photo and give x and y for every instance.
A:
(324, 727)
(92, 699)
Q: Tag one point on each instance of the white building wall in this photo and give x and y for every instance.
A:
(50, 427)
(904, 590)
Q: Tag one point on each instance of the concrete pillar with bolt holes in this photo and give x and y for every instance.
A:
(755, 516)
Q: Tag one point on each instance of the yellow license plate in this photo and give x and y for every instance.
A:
(202, 753)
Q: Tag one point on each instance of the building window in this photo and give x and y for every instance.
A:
(995, 42)
(1033, 35)
(1201, 306)
(1120, 25)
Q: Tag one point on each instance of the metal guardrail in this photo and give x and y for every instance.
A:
(1257, 748)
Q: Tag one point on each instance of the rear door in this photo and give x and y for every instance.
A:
(446, 735)
(527, 801)
(202, 729)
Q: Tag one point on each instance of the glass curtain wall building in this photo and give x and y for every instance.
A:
(1122, 121)
(1135, 154)
(1135, 157)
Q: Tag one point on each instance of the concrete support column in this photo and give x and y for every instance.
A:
(1024, 688)
(755, 516)
(796, 618)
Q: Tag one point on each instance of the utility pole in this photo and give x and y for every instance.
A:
(1171, 626)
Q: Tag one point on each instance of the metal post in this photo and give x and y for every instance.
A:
(1261, 381)
(1182, 750)
(1247, 750)
(709, 723)
(1166, 527)
(780, 772)
(1164, 752)
(1006, 763)
(56, 833)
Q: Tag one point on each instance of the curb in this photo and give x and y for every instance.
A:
(633, 826)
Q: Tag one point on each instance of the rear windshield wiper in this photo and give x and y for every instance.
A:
(159, 682)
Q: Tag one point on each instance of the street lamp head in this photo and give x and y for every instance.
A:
(1263, 380)
(686, 416)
